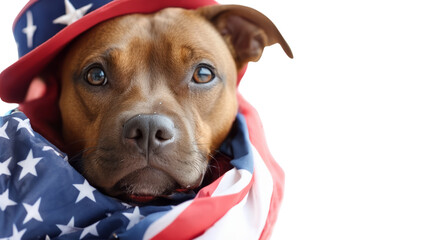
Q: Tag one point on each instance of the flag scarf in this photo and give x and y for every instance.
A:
(43, 197)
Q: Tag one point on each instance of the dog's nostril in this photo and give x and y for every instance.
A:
(162, 135)
(134, 134)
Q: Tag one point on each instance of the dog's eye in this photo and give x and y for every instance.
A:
(96, 76)
(203, 75)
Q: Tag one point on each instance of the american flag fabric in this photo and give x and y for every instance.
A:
(43, 197)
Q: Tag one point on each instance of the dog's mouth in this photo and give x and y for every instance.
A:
(148, 184)
(140, 199)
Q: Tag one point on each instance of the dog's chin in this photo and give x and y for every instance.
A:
(145, 185)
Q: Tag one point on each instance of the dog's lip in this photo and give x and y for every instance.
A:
(122, 192)
(148, 198)
(127, 196)
(126, 189)
(145, 198)
(140, 199)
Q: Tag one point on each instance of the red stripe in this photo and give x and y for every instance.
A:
(201, 215)
(257, 137)
(208, 190)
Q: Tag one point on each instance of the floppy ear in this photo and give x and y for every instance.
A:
(245, 30)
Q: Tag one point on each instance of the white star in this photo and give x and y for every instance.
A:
(24, 124)
(5, 201)
(69, 228)
(3, 167)
(85, 190)
(3, 133)
(90, 230)
(29, 165)
(30, 29)
(134, 217)
(33, 211)
(72, 14)
(16, 235)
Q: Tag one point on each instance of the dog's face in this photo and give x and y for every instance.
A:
(146, 99)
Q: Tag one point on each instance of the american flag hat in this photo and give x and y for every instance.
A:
(243, 202)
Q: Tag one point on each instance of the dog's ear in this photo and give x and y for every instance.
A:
(245, 30)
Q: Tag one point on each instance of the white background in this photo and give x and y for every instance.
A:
(347, 119)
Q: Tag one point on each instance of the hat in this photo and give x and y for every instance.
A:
(43, 28)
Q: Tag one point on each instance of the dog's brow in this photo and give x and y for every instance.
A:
(108, 53)
(190, 53)
(187, 53)
(105, 55)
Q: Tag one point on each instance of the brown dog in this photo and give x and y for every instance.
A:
(146, 99)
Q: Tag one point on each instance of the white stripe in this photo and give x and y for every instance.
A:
(246, 220)
(233, 182)
(163, 222)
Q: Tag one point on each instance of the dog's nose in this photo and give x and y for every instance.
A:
(149, 131)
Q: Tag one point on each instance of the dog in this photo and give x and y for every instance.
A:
(146, 99)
